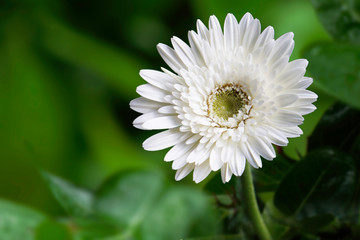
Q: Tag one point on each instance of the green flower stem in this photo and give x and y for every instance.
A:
(252, 206)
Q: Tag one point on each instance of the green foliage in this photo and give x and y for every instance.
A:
(77, 202)
(324, 175)
(18, 222)
(130, 205)
(335, 68)
(340, 18)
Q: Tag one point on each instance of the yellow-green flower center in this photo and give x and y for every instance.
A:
(226, 102)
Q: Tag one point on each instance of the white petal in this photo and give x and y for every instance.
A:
(177, 151)
(196, 48)
(243, 25)
(202, 30)
(199, 154)
(284, 46)
(162, 123)
(143, 105)
(291, 76)
(231, 32)
(237, 166)
(183, 172)
(287, 118)
(215, 159)
(151, 92)
(179, 163)
(158, 79)
(167, 110)
(253, 159)
(170, 57)
(183, 51)
(216, 36)
(139, 121)
(265, 36)
(226, 173)
(201, 172)
(262, 147)
(285, 99)
(251, 35)
(164, 140)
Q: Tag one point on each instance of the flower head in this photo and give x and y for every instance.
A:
(231, 96)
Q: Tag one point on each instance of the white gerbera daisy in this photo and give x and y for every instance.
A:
(232, 96)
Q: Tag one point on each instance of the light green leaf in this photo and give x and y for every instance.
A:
(126, 198)
(179, 212)
(18, 222)
(77, 202)
(335, 68)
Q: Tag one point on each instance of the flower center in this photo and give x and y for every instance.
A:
(227, 105)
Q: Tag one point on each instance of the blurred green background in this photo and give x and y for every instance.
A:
(69, 68)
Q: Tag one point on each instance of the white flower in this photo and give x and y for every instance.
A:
(232, 96)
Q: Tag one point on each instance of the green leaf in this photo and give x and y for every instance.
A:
(270, 175)
(340, 18)
(322, 183)
(216, 186)
(180, 211)
(18, 222)
(76, 202)
(335, 69)
(126, 198)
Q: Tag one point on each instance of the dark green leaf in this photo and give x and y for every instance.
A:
(77, 202)
(269, 176)
(341, 18)
(18, 222)
(335, 69)
(216, 186)
(322, 183)
(344, 123)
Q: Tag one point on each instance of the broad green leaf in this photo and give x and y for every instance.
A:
(340, 18)
(119, 68)
(18, 222)
(322, 183)
(179, 212)
(335, 68)
(126, 198)
(77, 202)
